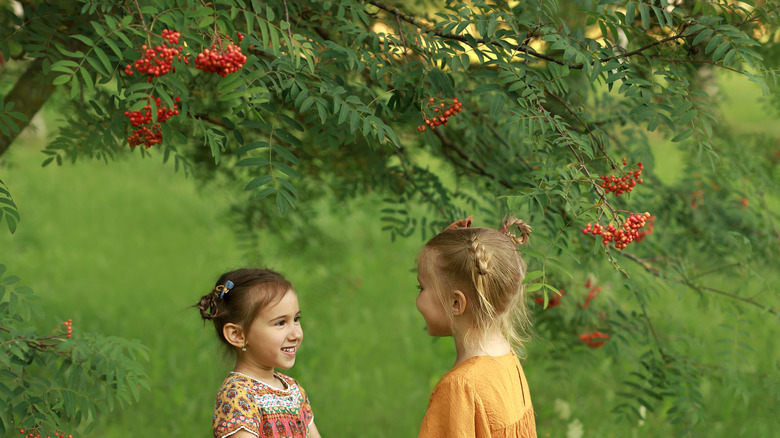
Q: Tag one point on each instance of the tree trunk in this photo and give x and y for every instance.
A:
(29, 94)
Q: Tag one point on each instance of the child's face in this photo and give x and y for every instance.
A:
(428, 302)
(275, 334)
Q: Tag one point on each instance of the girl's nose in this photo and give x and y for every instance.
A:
(296, 332)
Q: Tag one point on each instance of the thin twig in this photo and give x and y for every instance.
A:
(582, 122)
(142, 17)
(403, 38)
(475, 167)
(652, 328)
(698, 61)
(409, 178)
(657, 273)
(598, 189)
(730, 295)
(720, 268)
(289, 27)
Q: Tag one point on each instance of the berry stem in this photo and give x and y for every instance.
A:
(143, 22)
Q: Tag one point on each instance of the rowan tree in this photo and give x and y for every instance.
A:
(543, 109)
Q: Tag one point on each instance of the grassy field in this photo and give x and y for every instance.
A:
(124, 249)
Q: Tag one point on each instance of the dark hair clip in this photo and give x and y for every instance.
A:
(225, 289)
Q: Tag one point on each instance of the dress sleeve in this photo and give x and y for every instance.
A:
(234, 410)
(454, 411)
(307, 415)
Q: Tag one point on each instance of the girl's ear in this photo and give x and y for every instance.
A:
(458, 303)
(234, 334)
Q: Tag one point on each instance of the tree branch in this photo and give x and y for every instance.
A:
(31, 91)
(524, 48)
(475, 167)
(657, 273)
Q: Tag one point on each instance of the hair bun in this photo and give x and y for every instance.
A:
(208, 305)
(524, 228)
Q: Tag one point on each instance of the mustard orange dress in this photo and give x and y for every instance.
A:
(482, 397)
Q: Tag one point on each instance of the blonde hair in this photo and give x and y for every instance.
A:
(486, 266)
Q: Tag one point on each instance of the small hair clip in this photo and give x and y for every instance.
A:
(225, 289)
(462, 223)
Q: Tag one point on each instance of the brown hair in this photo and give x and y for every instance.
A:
(253, 289)
(486, 266)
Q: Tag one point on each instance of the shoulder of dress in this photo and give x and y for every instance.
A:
(234, 382)
(460, 378)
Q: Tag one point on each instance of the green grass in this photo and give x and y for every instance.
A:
(124, 249)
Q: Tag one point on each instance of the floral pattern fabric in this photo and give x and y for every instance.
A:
(267, 412)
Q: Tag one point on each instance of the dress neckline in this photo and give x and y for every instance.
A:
(276, 375)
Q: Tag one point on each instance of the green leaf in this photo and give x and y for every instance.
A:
(62, 79)
(84, 39)
(103, 58)
(484, 88)
(287, 170)
(253, 161)
(258, 182)
(718, 53)
(644, 14)
(704, 34)
(252, 146)
(533, 287)
(533, 275)
(265, 192)
(714, 43)
(682, 136)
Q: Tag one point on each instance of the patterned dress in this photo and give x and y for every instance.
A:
(246, 403)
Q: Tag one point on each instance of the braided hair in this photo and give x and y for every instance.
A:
(485, 265)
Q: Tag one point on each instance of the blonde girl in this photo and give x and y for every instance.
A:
(470, 282)
(257, 317)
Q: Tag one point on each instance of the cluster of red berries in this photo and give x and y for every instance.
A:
(69, 327)
(629, 232)
(171, 36)
(649, 221)
(622, 184)
(552, 300)
(38, 435)
(145, 133)
(144, 116)
(157, 61)
(594, 292)
(438, 113)
(219, 60)
(594, 339)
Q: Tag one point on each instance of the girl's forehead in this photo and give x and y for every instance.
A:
(426, 253)
(423, 257)
(426, 260)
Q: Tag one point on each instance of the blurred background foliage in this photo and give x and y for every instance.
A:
(554, 94)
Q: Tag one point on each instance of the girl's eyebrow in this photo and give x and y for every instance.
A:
(285, 316)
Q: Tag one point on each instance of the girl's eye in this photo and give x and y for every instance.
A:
(419, 288)
(297, 319)
(280, 323)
